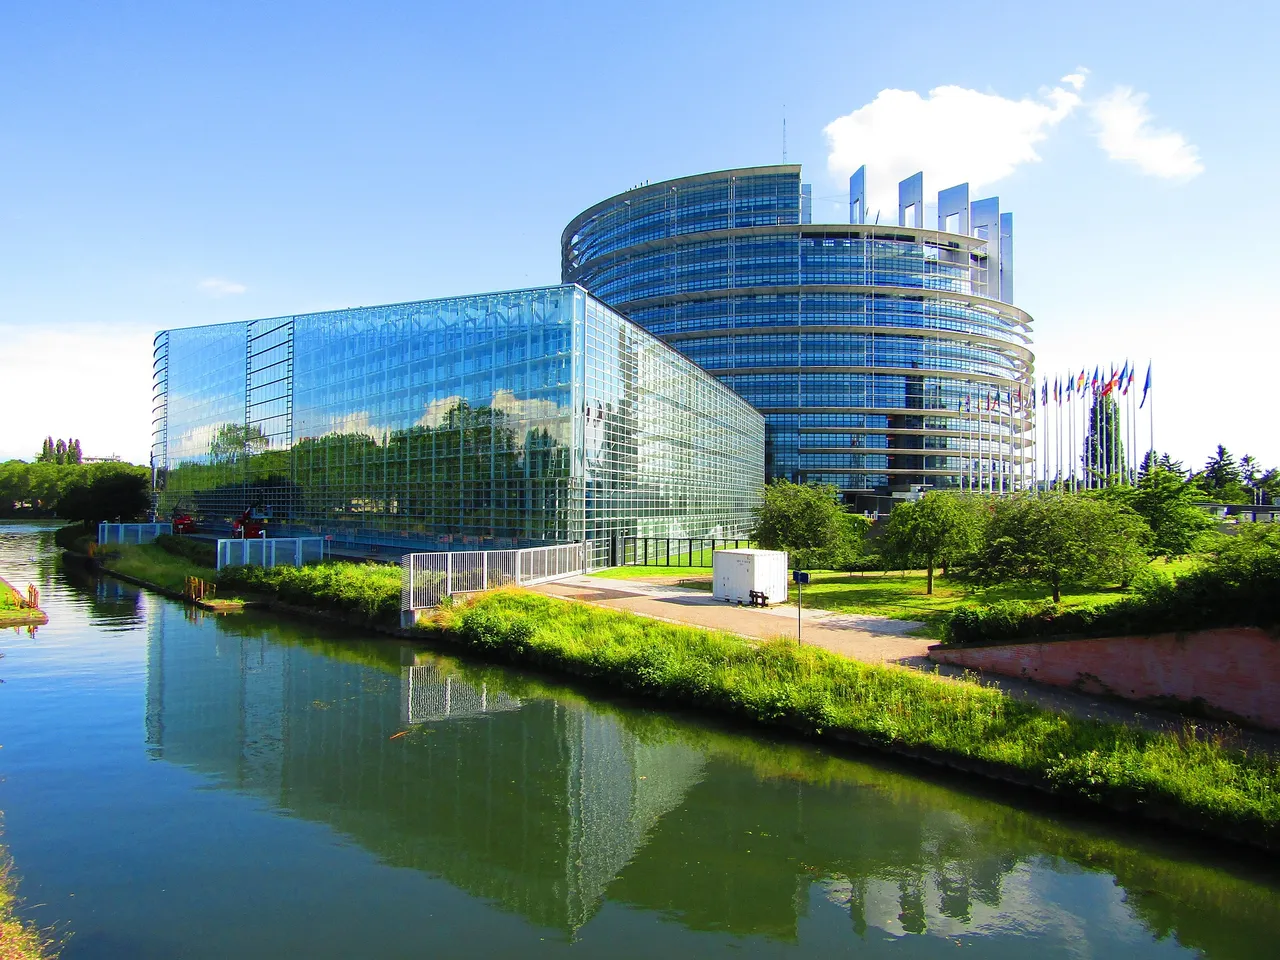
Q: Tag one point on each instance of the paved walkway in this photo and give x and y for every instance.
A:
(859, 637)
(870, 639)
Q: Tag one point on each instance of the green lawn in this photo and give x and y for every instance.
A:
(901, 596)
(644, 573)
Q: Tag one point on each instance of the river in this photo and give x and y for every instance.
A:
(181, 785)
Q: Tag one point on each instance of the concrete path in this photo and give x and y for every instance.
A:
(859, 637)
(870, 639)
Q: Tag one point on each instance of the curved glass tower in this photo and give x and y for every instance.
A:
(884, 357)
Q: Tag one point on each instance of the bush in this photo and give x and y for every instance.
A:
(371, 590)
(1238, 585)
(75, 537)
(197, 551)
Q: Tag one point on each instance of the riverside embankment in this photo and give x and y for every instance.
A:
(257, 786)
(1210, 785)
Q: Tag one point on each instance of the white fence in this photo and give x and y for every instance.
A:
(131, 532)
(427, 578)
(276, 552)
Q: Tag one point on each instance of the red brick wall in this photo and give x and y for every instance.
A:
(1236, 669)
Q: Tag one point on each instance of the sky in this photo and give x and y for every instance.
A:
(168, 165)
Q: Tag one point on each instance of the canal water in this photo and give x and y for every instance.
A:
(176, 785)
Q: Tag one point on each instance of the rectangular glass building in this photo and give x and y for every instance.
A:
(535, 416)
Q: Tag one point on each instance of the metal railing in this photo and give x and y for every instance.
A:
(675, 551)
(131, 532)
(273, 552)
(427, 578)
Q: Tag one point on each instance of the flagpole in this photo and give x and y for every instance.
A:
(1151, 414)
(1057, 459)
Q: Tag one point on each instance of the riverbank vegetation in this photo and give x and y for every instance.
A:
(18, 940)
(74, 491)
(1236, 583)
(1212, 783)
(1209, 784)
(367, 590)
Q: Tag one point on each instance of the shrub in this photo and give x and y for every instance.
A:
(197, 551)
(371, 590)
(1238, 585)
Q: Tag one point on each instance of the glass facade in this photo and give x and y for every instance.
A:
(536, 416)
(873, 351)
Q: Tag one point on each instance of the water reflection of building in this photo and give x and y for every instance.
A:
(534, 806)
(544, 808)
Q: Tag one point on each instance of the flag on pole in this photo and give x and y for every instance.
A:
(1081, 380)
(1146, 386)
(1071, 382)
(1096, 377)
(1044, 393)
(1133, 372)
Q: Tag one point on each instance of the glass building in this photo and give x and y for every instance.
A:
(882, 357)
(521, 418)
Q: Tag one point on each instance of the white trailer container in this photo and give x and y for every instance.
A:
(735, 573)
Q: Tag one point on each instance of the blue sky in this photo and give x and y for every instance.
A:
(176, 164)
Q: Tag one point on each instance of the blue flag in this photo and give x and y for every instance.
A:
(1146, 386)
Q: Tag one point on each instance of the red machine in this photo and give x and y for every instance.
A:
(183, 522)
(250, 525)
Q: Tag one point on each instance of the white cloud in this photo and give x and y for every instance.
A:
(217, 287)
(1125, 133)
(954, 135)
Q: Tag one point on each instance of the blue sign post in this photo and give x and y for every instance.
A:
(801, 577)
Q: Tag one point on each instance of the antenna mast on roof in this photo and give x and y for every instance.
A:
(784, 133)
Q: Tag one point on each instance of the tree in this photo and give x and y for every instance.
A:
(1103, 446)
(1221, 479)
(113, 495)
(937, 527)
(1269, 486)
(1058, 538)
(1167, 502)
(805, 519)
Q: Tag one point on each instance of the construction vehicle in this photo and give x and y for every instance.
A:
(183, 521)
(250, 525)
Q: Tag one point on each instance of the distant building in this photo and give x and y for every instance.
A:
(884, 356)
(534, 416)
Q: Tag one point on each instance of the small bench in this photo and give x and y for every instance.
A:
(758, 598)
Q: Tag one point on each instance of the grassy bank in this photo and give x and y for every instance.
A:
(1212, 785)
(1208, 785)
(18, 940)
(153, 564)
(14, 614)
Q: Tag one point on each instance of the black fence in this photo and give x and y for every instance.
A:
(673, 551)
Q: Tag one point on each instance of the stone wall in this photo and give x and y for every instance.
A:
(1231, 671)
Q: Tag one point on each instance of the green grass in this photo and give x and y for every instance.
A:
(902, 596)
(153, 564)
(819, 692)
(18, 940)
(9, 596)
(369, 590)
(643, 573)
